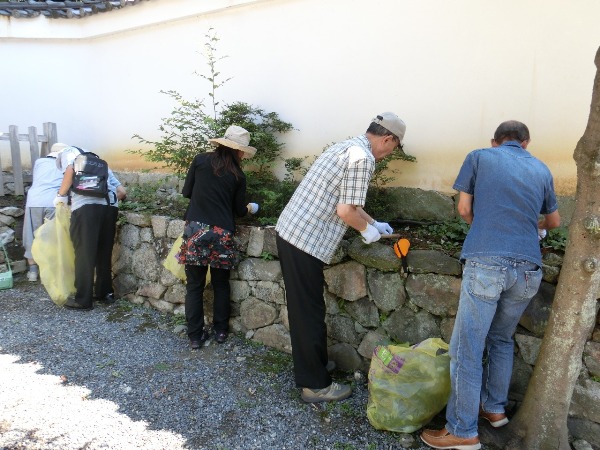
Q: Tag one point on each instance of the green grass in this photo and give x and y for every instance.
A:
(177, 319)
(342, 446)
(266, 256)
(271, 362)
(162, 366)
(106, 364)
(348, 410)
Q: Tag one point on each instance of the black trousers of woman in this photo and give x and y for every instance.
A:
(194, 299)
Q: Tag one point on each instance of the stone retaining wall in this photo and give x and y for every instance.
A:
(368, 300)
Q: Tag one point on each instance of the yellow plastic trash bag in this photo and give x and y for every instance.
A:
(408, 386)
(171, 263)
(53, 252)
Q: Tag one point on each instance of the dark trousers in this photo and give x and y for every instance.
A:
(104, 284)
(304, 281)
(90, 231)
(194, 299)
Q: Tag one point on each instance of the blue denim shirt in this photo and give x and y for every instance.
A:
(510, 189)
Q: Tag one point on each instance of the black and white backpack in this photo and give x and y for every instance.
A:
(91, 175)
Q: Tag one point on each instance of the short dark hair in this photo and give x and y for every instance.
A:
(511, 130)
(378, 130)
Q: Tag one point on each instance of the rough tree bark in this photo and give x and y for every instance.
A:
(541, 422)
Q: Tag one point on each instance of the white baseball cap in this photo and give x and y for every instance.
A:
(392, 123)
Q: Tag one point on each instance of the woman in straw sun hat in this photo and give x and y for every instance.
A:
(216, 187)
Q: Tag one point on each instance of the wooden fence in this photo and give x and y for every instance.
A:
(47, 140)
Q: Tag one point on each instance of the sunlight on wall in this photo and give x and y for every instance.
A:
(446, 68)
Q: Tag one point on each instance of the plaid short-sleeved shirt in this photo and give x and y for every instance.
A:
(340, 175)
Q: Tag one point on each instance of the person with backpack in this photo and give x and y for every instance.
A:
(116, 194)
(216, 187)
(85, 183)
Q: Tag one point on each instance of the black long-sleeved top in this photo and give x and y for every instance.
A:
(214, 200)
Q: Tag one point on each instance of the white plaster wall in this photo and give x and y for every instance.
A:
(452, 69)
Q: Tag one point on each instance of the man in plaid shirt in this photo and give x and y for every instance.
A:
(329, 199)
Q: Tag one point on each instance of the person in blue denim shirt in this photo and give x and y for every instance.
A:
(503, 192)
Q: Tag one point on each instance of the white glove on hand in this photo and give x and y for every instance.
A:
(541, 233)
(370, 235)
(58, 200)
(383, 228)
(252, 208)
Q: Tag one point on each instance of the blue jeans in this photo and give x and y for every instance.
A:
(494, 293)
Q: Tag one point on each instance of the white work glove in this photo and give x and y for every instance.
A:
(541, 233)
(252, 208)
(58, 200)
(383, 228)
(370, 234)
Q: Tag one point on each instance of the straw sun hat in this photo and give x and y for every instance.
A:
(236, 138)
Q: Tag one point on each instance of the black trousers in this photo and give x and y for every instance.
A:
(304, 282)
(104, 284)
(194, 299)
(92, 232)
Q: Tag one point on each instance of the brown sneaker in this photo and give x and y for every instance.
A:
(443, 439)
(495, 419)
(331, 393)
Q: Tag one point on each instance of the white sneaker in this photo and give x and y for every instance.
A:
(331, 393)
(32, 276)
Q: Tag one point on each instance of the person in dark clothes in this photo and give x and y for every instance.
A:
(104, 291)
(90, 231)
(216, 187)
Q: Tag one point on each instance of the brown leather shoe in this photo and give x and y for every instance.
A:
(444, 439)
(495, 419)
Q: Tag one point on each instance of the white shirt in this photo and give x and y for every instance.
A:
(46, 182)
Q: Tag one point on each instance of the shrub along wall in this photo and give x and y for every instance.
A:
(368, 300)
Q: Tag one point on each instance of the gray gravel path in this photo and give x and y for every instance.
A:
(118, 377)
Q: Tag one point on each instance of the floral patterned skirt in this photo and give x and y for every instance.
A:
(206, 245)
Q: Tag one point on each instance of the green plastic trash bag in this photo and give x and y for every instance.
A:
(53, 252)
(408, 386)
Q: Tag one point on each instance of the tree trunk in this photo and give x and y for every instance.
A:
(541, 422)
